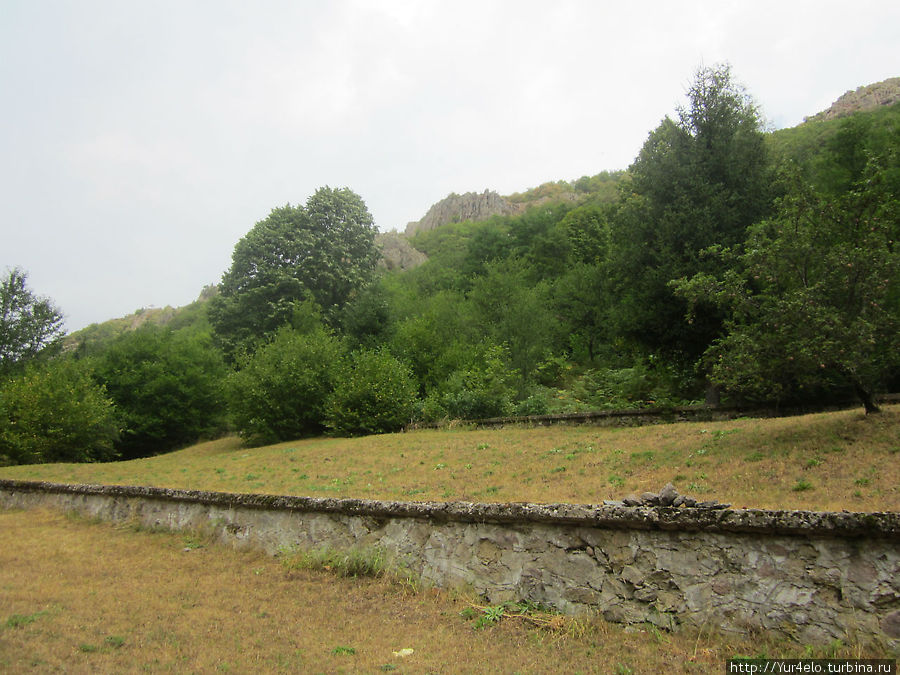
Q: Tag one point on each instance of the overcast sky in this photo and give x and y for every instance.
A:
(141, 140)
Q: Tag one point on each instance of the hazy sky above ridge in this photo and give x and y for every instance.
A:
(140, 141)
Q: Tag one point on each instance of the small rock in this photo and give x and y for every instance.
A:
(650, 498)
(631, 500)
(679, 501)
(891, 625)
(645, 594)
(712, 504)
(614, 502)
(668, 495)
(689, 502)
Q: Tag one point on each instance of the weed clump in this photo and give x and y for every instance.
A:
(364, 562)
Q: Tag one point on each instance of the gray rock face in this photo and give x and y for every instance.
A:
(458, 208)
(397, 253)
(868, 97)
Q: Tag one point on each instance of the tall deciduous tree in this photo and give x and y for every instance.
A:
(324, 252)
(814, 296)
(699, 180)
(29, 324)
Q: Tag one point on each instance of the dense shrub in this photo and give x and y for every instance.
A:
(482, 389)
(55, 412)
(374, 393)
(639, 385)
(280, 392)
(167, 386)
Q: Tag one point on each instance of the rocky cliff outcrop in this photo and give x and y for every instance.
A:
(457, 208)
(863, 98)
(397, 253)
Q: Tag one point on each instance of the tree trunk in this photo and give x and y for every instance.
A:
(867, 399)
(713, 394)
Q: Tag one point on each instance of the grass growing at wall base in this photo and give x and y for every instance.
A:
(351, 563)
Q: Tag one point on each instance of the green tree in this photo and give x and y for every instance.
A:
(167, 386)
(374, 393)
(484, 386)
(365, 319)
(324, 252)
(29, 324)
(55, 412)
(515, 311)
(578, 302)
(587, 229)
(280, 392)
(813, 298)
(699, 180)
(437, 340)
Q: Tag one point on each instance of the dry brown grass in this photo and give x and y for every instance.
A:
(81, 597)
(831, 461)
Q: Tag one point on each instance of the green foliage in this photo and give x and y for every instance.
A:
(578, 302)
(324, 252)
(373, 393)
(365, 320)
(280, 392)
(55, 412)
(19, 620)
(167, 386)
(635, 386)
(698, 181)
(354, 562)
(29, 324)
(537, 402)
(587, 230)
(515, 311)
(537, 238)
(483, 388)
(813, 296)
(436, 340)
(569, 304)
(485, 617)
(832, 154)
(599, 188)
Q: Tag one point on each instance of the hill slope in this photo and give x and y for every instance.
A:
(864, 98)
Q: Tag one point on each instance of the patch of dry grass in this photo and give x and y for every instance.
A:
(82, 597)
(830, 461)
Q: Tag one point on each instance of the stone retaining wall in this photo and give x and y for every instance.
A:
(817, 576)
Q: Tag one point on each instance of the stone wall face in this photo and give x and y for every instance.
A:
(817, 576)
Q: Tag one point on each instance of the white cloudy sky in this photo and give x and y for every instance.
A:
(141, 140)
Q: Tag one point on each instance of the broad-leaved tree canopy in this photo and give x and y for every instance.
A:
(322, 252)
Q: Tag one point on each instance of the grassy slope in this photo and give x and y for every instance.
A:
(830, 461)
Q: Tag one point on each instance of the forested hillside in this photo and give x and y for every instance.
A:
(726, 264)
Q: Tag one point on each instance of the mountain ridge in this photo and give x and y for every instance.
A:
(867, 97)
(399, 254)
